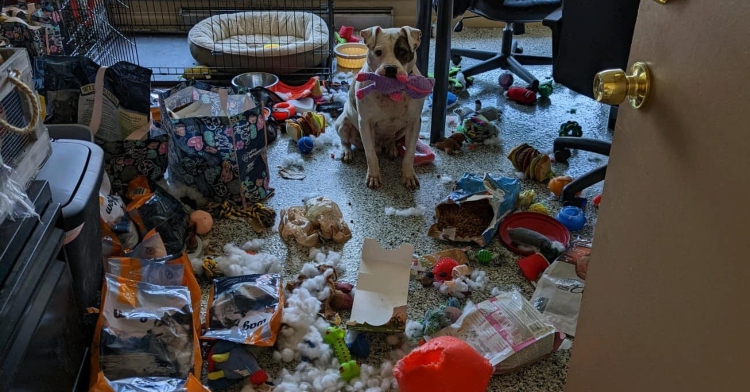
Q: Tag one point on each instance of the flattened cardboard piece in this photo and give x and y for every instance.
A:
(382, 289)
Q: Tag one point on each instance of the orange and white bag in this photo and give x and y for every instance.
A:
(245, 309)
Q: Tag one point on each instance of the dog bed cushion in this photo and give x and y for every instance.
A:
(271, 41)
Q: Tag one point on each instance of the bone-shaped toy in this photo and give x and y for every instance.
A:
(414, 86)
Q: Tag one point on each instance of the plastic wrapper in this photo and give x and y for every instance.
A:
(154, 271)
(153, 208)
(145, 330)
(148, 384)
(14, 202)
(163, 271)
(245, 309)
(558, 296)
(112, 214)
(475, 208)
(320, 218)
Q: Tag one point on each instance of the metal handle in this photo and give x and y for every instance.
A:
(613, 86)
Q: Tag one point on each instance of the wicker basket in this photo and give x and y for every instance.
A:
(350, 55)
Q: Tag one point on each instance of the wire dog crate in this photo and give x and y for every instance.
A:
(218, 39)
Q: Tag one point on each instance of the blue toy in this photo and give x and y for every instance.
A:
(573, 218)
(305, 144)
(357, 344)
(450, 101)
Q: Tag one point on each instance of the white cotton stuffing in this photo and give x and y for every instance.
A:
(493, 142)
(477, 281)
(327, 138)
(445, 179)
(520, 175)
(253, 244)
(414, 329)
(558, 246)
(309, 196)
(320, 256)
(413, 211)
(340, 96)
(236, 262)
(197, 264)
(292, 159)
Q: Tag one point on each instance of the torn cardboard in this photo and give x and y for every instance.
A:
(505, 329)
(382, 289)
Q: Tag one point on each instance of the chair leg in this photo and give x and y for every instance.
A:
(473, 53)
(593, 177)
(514, 66)
(526, 59)
(441, 66)
(580, 143)
(499, 61)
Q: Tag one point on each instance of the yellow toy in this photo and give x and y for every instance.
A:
(525, 199)
(198, 72)
(539, 208)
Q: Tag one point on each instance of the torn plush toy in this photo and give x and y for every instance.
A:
(319, 219)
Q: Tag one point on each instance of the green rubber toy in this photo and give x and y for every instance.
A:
(571, 128)
(482, 256)
(546, 89)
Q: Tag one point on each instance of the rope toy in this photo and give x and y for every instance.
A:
(266, 216)
(15, 78)
(414, 86)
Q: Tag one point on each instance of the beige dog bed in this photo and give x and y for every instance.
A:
(268, 41)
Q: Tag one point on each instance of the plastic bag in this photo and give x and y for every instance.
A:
(113, 215)
(152, 207)
(474, 210)
(148, 384)
(245, 309)
(145, 330)
(14, 202)
(154, 271)
(132, 268)
(558, 296)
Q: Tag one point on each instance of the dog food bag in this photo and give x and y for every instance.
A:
(151, 207)
(169, 270)
(475, 208)
(154, 271)
(245, 309)
(148, 384)
(145, 330)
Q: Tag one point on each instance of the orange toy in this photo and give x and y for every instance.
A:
(311, 88)
(557, 184)
(443, 364)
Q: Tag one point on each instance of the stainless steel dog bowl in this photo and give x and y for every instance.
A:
(250, 80)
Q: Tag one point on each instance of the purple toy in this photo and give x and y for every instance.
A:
(505, 80)
(414, 86)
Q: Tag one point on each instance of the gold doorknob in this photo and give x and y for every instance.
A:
(613, 85)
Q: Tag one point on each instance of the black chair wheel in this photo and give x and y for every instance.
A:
(562, 155)
(518, 50)
(456, 60)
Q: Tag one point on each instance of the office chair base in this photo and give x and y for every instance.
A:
(509, 58)
(570, 191)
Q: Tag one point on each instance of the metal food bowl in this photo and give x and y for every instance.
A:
(250, 80)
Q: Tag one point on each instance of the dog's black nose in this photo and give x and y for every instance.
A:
(391, 71)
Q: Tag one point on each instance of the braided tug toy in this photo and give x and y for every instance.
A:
(413, 86)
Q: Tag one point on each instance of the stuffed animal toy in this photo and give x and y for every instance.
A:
(521, 95)
(347, 33)
(452, 144)
(229, 362)
(414, 86)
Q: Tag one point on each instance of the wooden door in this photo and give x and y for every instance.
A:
(667, 300)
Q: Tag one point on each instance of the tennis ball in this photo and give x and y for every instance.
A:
(305, 144)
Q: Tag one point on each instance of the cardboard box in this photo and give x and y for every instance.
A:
(382, 289)
(505, 329)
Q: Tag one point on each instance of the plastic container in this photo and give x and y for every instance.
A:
(573, 218)
(74, 171)
(350, 55)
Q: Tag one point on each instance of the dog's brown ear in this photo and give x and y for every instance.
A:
(413, 36)
(370, 36)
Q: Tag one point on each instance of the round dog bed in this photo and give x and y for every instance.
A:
(268, 41)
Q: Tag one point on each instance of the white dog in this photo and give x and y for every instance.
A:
(377, 121)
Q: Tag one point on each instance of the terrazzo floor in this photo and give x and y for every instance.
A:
(364, 208)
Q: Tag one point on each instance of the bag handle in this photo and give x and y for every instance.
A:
(15, 78)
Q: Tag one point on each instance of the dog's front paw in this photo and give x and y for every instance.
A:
(373, 179)
(410, 180)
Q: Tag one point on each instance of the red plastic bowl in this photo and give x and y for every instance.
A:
(541, 223)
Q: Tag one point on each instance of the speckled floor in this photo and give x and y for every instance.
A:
(536, 125)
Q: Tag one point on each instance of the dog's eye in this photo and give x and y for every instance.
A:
(378, 53)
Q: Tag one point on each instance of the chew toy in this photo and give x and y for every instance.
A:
(521, 95)
(423, 155)
(230, 362)
(347, 33)
(414, 86)
(348, 367)
(483, 256)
